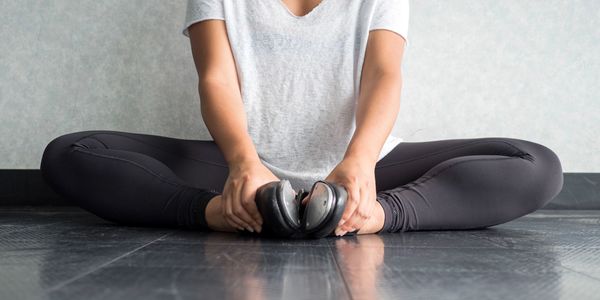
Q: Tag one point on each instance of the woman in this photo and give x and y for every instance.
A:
(301, 90)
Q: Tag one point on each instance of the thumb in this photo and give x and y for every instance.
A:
(305, 199)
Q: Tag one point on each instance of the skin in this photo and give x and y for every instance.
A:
(223, 113)
(302, 7)
(378, 107)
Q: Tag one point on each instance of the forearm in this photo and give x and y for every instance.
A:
(376, 112)
(223, 113)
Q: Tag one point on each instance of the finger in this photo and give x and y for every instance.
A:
(352, 219)
(240, 212)
(238, 223)
(305, 200)
(362, 213)
(353, 199)
(228, 212)
(252, 209)
(239, 208)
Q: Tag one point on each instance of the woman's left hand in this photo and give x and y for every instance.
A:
(358, 177)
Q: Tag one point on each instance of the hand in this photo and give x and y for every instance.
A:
(358, 177)
(238, 198)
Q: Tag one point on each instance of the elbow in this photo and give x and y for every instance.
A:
(390, 79)
(217, 79)
(207, 82)
(393, 75)
(383, 74)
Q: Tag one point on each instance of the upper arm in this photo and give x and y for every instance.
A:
(384, 53)
(212, 53)
(205, 26)
(388, 30)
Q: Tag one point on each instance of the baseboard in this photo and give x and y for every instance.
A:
(580, 191)
(27, 187)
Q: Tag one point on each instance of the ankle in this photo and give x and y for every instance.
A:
(380, 217)
(376, 221)
(214, 215)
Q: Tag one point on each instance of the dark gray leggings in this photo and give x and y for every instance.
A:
(149, 180)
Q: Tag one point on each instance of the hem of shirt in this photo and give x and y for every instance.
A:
(185, 32)
(396, 31)
(389, 145)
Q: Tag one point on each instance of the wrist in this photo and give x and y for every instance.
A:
(242, 154)
(361, 158)
(244, 161)
(360, 151)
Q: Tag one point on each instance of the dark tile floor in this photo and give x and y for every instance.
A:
(61, 253)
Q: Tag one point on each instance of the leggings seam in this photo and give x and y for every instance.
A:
(159, 177)
(199, 160)
(99, 141)
(446, 150)
(459, 162)
(154, 146)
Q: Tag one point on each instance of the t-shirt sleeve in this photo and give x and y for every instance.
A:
(391, 15)
(199, 10)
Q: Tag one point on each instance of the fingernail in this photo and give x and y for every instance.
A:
(259, 229)
(250, 229)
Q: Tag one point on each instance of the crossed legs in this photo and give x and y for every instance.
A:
(148, 180)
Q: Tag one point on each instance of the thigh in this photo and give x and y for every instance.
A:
(410, 160)
(469, 183)
(198, 163)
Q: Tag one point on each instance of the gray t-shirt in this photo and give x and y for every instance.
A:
(300, 75)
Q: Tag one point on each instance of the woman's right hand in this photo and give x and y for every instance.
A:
(238, 197)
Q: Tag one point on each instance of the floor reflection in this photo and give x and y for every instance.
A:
(549, 258)
(361, 259)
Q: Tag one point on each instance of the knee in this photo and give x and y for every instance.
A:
(55, 156)
(547, 175)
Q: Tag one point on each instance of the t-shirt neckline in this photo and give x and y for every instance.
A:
(310, 14)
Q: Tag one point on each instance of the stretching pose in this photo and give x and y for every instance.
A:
(301, 91)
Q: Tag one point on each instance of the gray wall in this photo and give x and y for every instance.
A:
(523, 69)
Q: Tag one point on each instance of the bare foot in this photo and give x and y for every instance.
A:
(375, 222)
(214, 216)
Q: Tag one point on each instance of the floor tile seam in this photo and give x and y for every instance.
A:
(94, 269)
(493, 245)
(579, 272)
(546, 247)
(340, 272)
(74, 222)
(430, 247)
(545, 212)
(528, 255)
(449, 271)
(490, 241)
(167, 242)
(30, 227)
